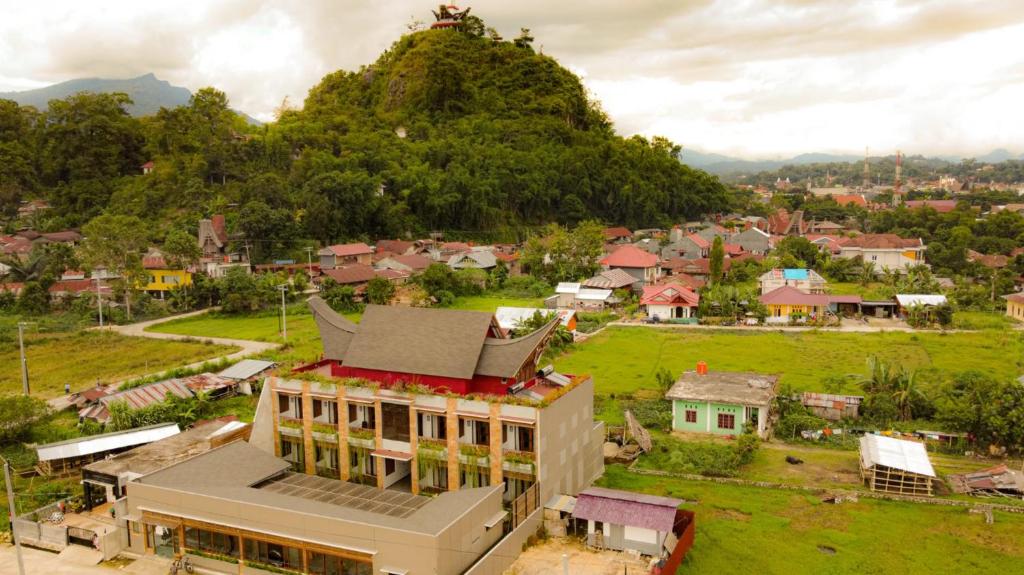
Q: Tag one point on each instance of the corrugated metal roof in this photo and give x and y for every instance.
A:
(627, 508)
(907, 300)
(511, 317)
(246, 368)
(106, 442)
(895, 453)
(144, 395)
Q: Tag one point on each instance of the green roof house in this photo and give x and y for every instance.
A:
(721, 403)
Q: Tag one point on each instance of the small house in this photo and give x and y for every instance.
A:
(831, 406)
(723, 402)
(907, 301)
(807, 281)
(689, 247)
(162, 277)
(617, 235)
(610, 279)
(670, 301)
(510, 318)
(642, 265)
(1015, 305)
(895, 465)
(342, 254)
(787, 304)
(626, 521)
(65, 457)
(753, 240)
(476, 258)
(885, 251)
(572, 295)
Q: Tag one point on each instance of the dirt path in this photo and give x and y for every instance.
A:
(246, 347)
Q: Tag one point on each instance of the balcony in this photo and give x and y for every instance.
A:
(325, 432)
(429, 448)
(522, 462)
(362, 437)
(474, 455)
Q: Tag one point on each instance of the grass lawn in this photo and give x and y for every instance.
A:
(785, 532)
(491, 303)
(982, 320)
(82, 358)
(623, 360)
(873, 291)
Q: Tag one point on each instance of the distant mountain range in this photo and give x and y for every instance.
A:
(728, 165)
(148, 93)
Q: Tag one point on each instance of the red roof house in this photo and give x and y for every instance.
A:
(669, 301)
(619, 234)
(639, 263)
(341, 254)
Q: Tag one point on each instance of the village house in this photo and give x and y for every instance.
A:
(670, 301)
(345, 254)
(627, 521)
(572, 295)
(479, 258)
(753, 240)
(641, 265)
(163, 278)
(610, 279)
(787, 303)
(940, 206)
(722, 402)
(618, 235)
(885, 251)
(409, 263)
(512, 318)
(216, 260)
(807, 281)
(1015, 305)
(689, 247)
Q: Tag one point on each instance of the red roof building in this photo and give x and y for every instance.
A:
(851, 199)
(354, 274)
(342, 254)
(669, 301)
(619, 234)
(941, 206)
(630, 257)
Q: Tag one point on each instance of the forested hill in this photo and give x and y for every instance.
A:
(447, 130)
(148, 93)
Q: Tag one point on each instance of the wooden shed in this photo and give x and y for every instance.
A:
(895, 466)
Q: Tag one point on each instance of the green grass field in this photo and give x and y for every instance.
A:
(624, 360)
(772, 531)
(82, 358)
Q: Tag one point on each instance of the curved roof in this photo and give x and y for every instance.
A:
(505, 357)
(335, 331)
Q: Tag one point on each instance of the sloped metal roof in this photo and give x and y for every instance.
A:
(106, 442)
(895, 453)
(247, 368)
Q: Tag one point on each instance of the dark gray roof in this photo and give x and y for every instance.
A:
(734, 387)
(505, 357)
(151, 457)
(335, 331)
(423, 341)
(242, 473)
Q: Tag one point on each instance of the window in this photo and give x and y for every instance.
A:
(325, 410)
(726, 421)
(289, 406)
(273, 554)
(431, 426)
(691, 416)
(323, 564)
(874, 258)
(211, 541)
(395, 418)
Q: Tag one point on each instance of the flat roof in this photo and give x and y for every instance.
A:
(159, 454)
(737, 387)
(247, 368)
(246, 475)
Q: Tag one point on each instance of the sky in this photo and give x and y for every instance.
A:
(750, 78)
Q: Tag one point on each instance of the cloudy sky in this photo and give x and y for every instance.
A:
(757, 78)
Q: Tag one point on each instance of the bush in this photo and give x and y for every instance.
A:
(790, 426)
(703, 458)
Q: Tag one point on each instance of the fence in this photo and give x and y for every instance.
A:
(524, 505)
(34, 529)
(505, 552)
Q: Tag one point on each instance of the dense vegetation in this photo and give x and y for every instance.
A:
(884, 170)
(446, 130)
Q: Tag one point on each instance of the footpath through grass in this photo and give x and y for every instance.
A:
(82, 358)
(787, 532)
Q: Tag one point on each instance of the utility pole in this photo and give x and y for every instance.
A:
(284, 317)
(99, 299)
(24, 362)
(13, 514)
(309, 260)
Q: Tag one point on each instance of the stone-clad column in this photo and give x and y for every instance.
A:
(414, 466)
(379, 442)
(495, 446)
(307, 429)
(452, 430)
(343, 454)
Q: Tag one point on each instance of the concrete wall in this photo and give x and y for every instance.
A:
(262, 435)
(502, 555)
(568, 448)
(707, 417)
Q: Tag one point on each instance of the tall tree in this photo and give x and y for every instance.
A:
(717, 263)
(118, 243)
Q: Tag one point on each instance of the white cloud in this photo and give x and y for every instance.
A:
(757, 77)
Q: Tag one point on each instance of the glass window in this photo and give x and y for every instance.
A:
(726, 421)
(691, 416)
(396, 421)
(211, 541)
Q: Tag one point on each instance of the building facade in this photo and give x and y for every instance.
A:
(722, 403)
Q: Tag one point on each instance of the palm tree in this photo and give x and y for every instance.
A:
(28, 270)
(905, 392)
(867, 273)
(882, 378)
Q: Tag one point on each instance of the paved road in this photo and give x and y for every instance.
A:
(246, 347)
(45, 563)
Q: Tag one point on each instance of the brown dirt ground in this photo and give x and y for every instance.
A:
(546, 559)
